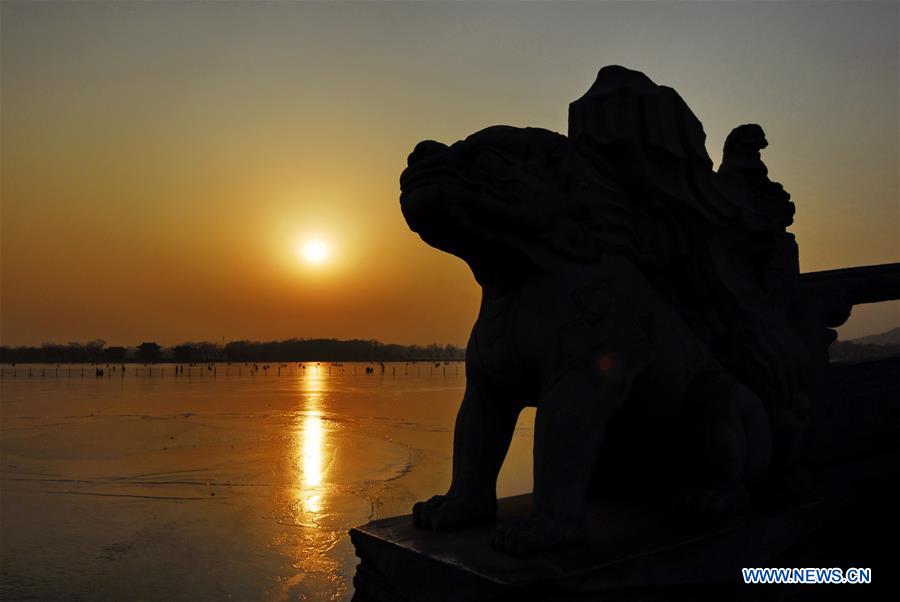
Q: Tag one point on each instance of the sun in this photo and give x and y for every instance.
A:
(313, 251)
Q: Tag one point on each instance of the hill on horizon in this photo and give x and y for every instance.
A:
(889, 337)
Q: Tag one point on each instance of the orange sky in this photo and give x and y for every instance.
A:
(161, 161)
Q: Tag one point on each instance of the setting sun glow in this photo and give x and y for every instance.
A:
(313, 251)
(277, 152)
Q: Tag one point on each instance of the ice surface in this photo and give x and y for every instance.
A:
(208, 486)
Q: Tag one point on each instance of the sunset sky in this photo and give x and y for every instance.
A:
(164, 164)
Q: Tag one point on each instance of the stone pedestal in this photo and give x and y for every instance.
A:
(634, 550)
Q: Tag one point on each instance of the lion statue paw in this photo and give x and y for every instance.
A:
(538, 534)
(448, 512)
(712, 501)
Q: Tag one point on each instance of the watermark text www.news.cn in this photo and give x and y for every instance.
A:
(807, 575)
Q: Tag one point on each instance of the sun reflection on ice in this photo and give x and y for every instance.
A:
(311, 432)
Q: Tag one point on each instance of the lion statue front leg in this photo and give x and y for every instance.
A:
(481, 438)
(569, 428)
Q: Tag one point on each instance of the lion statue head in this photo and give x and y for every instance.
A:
(509, 197)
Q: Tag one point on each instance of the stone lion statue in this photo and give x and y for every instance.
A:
(573, 323)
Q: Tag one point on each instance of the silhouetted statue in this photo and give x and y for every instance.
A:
(768, 202)
(758, 266)
(649, 306)
(568, 322)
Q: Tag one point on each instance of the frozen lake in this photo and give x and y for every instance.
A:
(225, 485)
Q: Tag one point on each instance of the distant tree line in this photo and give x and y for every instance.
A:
(332, 350)
(292, 350)
(302, 350)
(90, 352)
